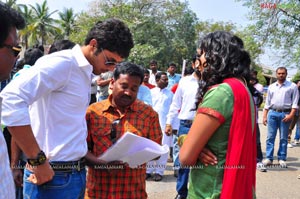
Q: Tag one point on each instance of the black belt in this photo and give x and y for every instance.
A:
(187, 122)
(281, 110)
(68, 166)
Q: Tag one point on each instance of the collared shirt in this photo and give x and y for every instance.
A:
(114, 183)
(152, 78)
(144, 95)
(173, 80)
(184, 100)
(162, 99)
(53, 97)
(7, 185)
(283, 96)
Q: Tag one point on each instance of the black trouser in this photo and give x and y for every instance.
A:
(93, 98)
(259, 155)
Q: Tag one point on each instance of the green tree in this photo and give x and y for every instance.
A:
(296, 76)
(277, 26)
(67, 22)
(251, 44)
(25, 33)
(11, 3)
(162, 29)
(42, 25)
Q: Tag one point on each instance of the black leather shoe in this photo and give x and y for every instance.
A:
(148, 175)
(179, 197)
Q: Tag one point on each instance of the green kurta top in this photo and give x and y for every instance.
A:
(206, 181)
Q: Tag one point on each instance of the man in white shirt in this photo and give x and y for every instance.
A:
(162, 99)
(280, 107)
(183, 106)
(10, 21)
(153, 71)
(52, 132)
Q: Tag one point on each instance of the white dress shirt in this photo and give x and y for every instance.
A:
(282, 96)
(7, 185)
(53, 97)
(162, 99)
(152, 78)
(184, 100)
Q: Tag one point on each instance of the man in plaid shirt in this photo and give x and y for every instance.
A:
(107, 121)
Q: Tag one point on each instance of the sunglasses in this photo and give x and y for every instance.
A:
(107, 62)
(15, 49)
(113, 130)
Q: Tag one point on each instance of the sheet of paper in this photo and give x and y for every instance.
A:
(134, 150)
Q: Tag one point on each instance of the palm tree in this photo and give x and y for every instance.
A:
(67, 21)
(42, 24)
(11, 3)
(26, 32)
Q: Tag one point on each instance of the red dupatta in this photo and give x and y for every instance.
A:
(240, 166)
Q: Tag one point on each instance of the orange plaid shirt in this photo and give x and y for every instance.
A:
(116, 182)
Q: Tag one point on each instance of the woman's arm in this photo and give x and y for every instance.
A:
(201, 130)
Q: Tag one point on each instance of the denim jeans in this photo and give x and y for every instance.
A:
(64, 185)
(175, 151)
(275, 122)
(297, 133)
(183, 173)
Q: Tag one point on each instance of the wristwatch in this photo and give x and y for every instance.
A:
(40, 159)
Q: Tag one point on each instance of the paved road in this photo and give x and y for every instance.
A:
(276, 183)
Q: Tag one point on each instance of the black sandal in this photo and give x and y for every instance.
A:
(157, 177)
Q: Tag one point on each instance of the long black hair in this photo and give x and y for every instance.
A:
(225, 57)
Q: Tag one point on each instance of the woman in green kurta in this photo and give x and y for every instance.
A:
(224, 124)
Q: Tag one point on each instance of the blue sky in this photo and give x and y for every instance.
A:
(217, 10)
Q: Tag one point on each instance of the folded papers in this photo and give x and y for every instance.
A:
(134, 150)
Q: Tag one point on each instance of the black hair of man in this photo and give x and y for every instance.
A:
(39, 46)
(188, 71)
(146, 71)
(31, 55)
(113, 35)
(9, 18)
(159, 74)
(153, 62)
(172, 64)
(128, 68)
(59, 45)
(281, 68)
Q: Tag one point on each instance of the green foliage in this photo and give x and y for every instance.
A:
(165, 30)
(162, 30)
(250, 43)
(67, 22)
(296, 76)
(42, 24)
(277, 26)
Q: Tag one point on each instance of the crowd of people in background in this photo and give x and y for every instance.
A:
(65, 106)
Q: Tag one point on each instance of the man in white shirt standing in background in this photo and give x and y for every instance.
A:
(153, 71)
(183, 102)
(45, 110)
(161, 99)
